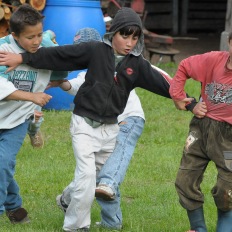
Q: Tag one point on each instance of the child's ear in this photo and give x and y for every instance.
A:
(14, 35)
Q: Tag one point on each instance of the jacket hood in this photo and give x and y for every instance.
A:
(126, 17)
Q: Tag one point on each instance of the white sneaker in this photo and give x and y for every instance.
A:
(104, 192)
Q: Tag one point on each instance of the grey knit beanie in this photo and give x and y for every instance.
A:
(86, 35)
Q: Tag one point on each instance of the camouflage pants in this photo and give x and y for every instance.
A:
(208, 140)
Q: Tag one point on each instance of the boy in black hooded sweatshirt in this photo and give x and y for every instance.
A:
(115, 67)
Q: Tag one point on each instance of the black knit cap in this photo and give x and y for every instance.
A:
(125, 17)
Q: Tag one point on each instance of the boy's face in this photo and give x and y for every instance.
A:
(124, 44)
(31, 38)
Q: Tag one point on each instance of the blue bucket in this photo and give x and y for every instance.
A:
(65, 18)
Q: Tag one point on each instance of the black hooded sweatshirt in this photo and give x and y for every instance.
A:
(103, 95)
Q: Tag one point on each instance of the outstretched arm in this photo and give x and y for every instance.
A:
(58, 58)
(63, 84)
(13, 60)
(71, 86)
(39, 98)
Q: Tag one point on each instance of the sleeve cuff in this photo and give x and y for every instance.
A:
(25, 57)
(191, 105)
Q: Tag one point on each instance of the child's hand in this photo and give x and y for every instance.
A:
(10, 59)
(200, 110)
(57, 83)
(40, 98)
(180, 105)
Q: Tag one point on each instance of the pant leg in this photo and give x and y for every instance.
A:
(33, 126)
(192, 167)
(108, 140)
(224, 221)
(87, 141)
(82, 187)
(114, 170)
(10, 143)
(111, 215)
(215, 145)
(221, 154)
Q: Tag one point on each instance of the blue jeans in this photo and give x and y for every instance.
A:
(11, 141)
(114, 170)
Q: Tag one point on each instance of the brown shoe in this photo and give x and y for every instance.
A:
(18, 216)
(37, 140)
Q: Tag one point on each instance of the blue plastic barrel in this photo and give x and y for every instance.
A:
(65, 18)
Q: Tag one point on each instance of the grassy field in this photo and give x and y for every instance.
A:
(149, 199)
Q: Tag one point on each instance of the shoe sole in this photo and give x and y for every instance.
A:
(103, 195)
(100, 226)
(59, 204)
(26, 220)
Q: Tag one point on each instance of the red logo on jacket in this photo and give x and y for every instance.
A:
(129, 71)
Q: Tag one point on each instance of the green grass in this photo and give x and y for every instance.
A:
(149, 199)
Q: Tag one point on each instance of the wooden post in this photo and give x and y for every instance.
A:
(184, 17)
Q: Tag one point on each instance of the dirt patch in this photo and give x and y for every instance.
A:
(191, 45)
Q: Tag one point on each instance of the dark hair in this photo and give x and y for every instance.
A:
(131, 30)
(24, 15)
